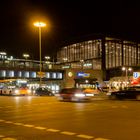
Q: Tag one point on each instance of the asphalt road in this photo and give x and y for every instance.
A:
(45, 118)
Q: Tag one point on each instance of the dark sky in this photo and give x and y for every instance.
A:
(66, 20)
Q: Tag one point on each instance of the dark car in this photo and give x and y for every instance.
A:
(43, 92)
(130, 93)
(74, 94)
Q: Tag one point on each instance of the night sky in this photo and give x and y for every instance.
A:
(66, 21)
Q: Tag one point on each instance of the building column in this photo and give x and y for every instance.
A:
(103, 59)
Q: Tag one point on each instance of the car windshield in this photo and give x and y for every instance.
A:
(41, 89)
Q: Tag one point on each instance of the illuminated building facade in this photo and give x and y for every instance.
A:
(102, 53)
(27, 72)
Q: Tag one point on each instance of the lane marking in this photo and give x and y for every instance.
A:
(1, 136)
(50, 130)
(8, 122)
(53, 130)
(28, 125)
(100, 139)
(8, 139)
(68, 133)
(18, 123)
(85, 136)
(39, 127)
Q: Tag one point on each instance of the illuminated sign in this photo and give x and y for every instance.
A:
(82, 74)
(70, 74)
(136, 75)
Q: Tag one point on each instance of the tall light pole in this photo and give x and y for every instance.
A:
(40, 25)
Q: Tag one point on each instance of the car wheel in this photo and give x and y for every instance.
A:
(138, 97)
(113, 97)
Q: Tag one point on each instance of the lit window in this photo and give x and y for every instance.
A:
(53, 75)
(47, 75)
(59, 75)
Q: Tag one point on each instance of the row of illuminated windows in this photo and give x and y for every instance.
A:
(80, 51)
(89, 64)
(31, 74)
(118, 54)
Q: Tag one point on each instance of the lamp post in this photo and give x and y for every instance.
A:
(47, 61)
(26, 56)
(40, 25)
(126, 69)
(47, 58)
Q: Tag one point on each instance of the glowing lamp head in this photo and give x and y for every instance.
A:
(39, 24)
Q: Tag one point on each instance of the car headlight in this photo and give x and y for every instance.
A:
(16, 91)
(29, 91)
(79, 95)
(89, 94)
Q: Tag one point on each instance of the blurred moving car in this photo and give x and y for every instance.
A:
(74, 94)
(91, 90)
(129, 93)
(105, 89)
(41, 91)
(21, 91)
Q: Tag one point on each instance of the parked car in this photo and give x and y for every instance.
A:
(41, 91)
(74, 94)
(129, 93)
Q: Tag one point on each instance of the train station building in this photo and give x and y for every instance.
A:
(105, 59)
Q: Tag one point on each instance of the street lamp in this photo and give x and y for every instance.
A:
(47, 57)
(40, 25)
(26, 56)
(126, 69)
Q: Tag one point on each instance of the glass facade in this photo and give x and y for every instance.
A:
(30, 74)
(121, 53)
(85, 55)
(89, 55)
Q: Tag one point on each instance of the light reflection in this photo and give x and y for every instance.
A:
(80, 106)
(29, 98)
(17, 99)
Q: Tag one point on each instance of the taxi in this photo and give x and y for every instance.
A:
(21, 91)
(91, 90)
